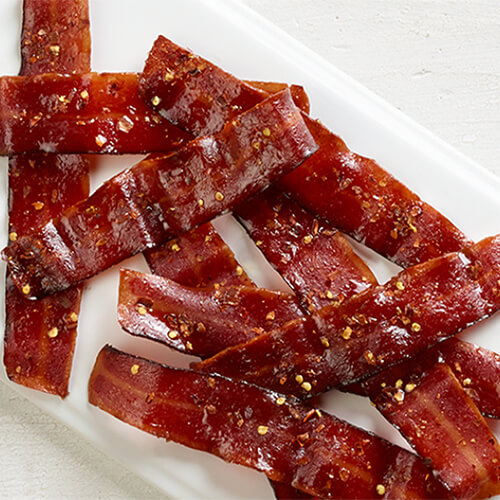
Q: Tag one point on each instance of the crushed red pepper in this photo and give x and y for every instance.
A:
(200, 321)
(40, 336)
(351, 192)
(157, 199)
(452, 293)
(199, 258)
(83, 113)
(316, 261)
(244, 424)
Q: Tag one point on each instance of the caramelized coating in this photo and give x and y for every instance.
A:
(192, 92)
(197, 258)
(351, 192)
(199, 321)
(358, 197)
(240, 423)
(478, 370)
(161, 197)
(318, 263)
(84, 113)
(40, 336)
(371, 331)
(433, 412)
(55, 37)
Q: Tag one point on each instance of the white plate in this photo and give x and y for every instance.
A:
(242, 42)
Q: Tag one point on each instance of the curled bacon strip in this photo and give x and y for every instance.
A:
(385, 324)
(161, 197)
(351, 192)
(200, 321)
(251, 426)
(40, 336)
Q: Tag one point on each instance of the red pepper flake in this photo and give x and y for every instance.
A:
(262, 429)
(38, 205)
(270, 316)
(370, 358)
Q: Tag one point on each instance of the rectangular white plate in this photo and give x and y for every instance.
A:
(242, 42)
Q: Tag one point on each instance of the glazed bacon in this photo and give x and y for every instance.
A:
(55, 37)
(370, 332)
(251, 426)
(425, 401)
(197, 258)
(84, 113)
(200, 321)
(161, 197)
(478, 370)
(354, 194)
(317, 262)
(40, 336)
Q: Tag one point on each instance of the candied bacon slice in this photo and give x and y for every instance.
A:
(200, 321)
(161, 197)
(371, 331)
(288, 441)
(426, 402)
(84, 113)
(318, 263)
(40, 336)
(55, 37)
(353, 193)
(171, 84)
(358, 197)
(478, 370)
(197, 258)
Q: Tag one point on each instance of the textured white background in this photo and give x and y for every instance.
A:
(436, 60)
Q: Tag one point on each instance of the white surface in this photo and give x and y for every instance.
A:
(437, 61)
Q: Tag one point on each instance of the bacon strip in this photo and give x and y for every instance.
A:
(200, 321)
(196, 259)
(318, 263)
(433, 412)
(162, 197)
(286, 440)
(84, 113)
(40, 336)
(340, 344)
(351, 192)
(55, 37)
(478, 370)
